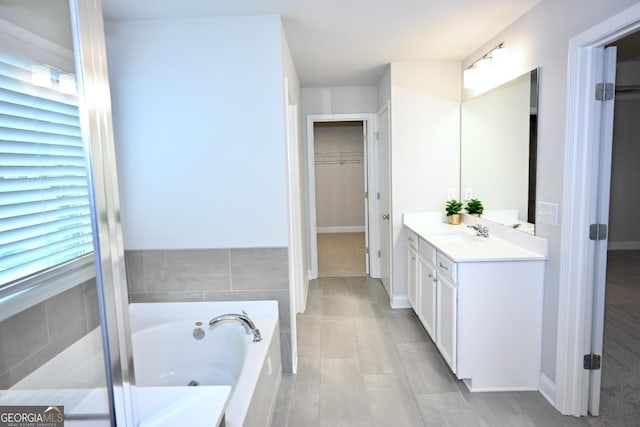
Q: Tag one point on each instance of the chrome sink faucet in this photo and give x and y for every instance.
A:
(243, 318)
(481, 230)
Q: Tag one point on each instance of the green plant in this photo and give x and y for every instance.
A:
(474, 206)
(453, 207)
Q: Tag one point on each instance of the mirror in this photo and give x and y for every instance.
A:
(499, 151)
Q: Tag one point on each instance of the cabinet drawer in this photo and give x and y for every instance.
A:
(427, 252)
(446, 267)
(412, 239)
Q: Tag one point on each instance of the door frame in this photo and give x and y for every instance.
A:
(386, 253)
(575, 299)
(371, 171)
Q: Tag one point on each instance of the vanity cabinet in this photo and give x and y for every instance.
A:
(482, 309)
(427, 287)
(447, 311)
(412, 270)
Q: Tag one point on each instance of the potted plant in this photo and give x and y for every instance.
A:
(453, 208)
(474, 207)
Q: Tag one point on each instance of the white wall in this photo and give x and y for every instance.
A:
(339, 186)
(49, 19)
(540, 38)
(339, 100)
(199, 127)
(425, 146)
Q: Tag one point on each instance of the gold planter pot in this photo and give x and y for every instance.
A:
(455, 219)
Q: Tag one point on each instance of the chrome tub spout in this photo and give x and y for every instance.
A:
(243, 318)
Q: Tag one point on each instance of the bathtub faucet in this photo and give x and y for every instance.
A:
(242, 318)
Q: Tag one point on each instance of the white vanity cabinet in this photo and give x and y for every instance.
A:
(447, 311)
(481, 303)
(412, 269)
(427, 287)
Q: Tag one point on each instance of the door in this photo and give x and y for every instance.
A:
(446, 322)
(603, 187)
(427, 283)
(384, 206)
(412, 273)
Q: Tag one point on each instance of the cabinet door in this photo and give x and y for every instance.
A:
(446, 322)
(427, 293)
(412, 277)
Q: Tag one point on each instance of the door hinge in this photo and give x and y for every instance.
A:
(366, 250)
(378, 196)
(604, 91)
(366, 194)
(377, 135)
(591, 362)
(379, 254)
(598, 232)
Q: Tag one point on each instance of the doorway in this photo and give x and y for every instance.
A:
(340, 202)
(620, 378)
(341, 169)
(586, 200)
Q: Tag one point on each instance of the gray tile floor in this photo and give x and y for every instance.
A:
(364, 364)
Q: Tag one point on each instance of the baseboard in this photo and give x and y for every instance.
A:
(623, 246)
(400, 302)
(548, 389)
(341, 229)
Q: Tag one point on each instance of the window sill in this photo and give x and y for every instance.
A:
(33, 290)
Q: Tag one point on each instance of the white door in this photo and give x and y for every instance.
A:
(602, 187)
(427, 283)
(384, 207)
(412, 273)
(446, 320)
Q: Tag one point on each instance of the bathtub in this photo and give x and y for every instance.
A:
(167, 354)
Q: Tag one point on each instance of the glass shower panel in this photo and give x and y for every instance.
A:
(51, 330)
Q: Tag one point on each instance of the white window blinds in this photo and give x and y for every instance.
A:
(44, 204)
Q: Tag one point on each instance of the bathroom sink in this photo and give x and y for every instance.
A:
(458, 237)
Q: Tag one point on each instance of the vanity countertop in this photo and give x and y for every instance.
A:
(461, 244)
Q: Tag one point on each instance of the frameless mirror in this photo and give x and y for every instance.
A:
(499, 151)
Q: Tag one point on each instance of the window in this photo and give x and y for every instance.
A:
(45, 217)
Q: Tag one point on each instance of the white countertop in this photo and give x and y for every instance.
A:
(461, 244)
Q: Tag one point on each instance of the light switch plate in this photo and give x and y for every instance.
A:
(547, 213)
(451, 194)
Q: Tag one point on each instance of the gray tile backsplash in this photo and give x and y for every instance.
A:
(214, 275)
(36, 335)
(259, 269)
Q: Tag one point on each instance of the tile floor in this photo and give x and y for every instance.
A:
(364, 364)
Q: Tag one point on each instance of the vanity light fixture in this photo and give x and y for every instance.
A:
(482, 72)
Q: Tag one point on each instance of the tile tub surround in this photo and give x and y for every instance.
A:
(248, 274)
(36, 335)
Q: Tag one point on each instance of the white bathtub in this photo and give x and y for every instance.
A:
(166, 354)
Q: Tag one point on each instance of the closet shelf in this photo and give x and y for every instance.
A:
(339, 158)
